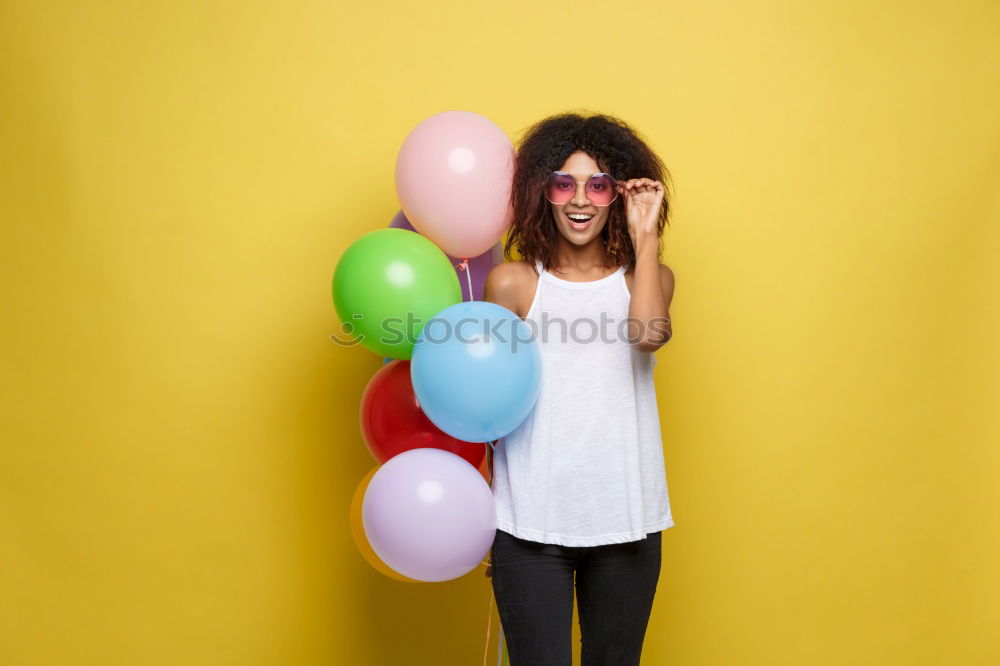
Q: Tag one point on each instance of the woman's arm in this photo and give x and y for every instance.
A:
(652, 283)
(652, 291)
(504, 286)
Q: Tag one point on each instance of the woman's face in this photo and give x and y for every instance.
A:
(582, 166)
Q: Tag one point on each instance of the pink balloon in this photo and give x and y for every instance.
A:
(454, 174)
(429, 515)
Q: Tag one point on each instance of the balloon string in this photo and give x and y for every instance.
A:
(489, 625)
(490, 467)
(464, 266)
(501, 648)
(502, 656)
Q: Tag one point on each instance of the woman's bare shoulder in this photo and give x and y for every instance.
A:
(511, 285)
(513, 270)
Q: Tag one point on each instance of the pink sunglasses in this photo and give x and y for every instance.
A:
(600, 189)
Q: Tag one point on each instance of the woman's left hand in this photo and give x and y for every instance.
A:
(643, 199)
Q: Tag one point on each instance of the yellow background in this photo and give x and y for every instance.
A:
(180, 438)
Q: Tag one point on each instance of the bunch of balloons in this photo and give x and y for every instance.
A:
(459, 372)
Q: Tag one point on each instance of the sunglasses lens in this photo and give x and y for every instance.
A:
(601, 189)
(560, 188)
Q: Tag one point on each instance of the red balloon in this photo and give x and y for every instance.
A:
(392, 421)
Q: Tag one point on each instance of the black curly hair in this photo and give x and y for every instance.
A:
(544, 147)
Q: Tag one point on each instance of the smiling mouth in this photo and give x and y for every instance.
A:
(580, 224)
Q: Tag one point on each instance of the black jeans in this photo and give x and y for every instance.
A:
(533, 586)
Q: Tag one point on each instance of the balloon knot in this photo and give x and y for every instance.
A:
(464, 265)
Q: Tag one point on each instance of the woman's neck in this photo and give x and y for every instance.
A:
(581, 260)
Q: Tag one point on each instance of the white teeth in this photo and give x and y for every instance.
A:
(579, 217)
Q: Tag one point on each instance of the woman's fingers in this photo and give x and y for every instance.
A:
(635, 185)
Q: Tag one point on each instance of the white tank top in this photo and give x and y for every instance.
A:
(585, 468)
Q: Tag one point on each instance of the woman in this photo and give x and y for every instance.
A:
(580, 485)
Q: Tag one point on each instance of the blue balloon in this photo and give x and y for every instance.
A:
(476, 370)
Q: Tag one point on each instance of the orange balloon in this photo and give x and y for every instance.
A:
(361, 539)
(484, 467)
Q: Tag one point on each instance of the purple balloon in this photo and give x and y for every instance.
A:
(429, 515)
(478, 266)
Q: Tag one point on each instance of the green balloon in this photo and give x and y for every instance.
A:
(386, 286)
